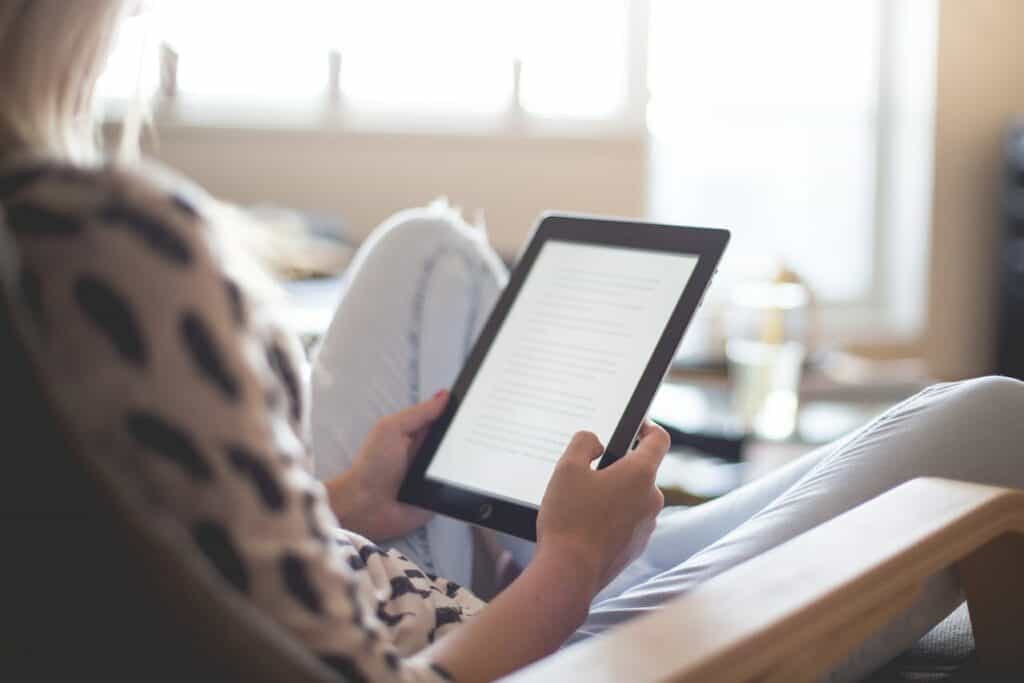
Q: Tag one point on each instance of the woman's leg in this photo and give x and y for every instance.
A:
(682, 532)
(417, 294)
(971, 430)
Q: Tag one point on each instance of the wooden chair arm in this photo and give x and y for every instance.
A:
(793, 613)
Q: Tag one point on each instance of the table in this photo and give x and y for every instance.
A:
(828, 410)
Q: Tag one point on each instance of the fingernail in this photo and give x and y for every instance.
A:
(439, 394)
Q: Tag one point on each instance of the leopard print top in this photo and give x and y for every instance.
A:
(181, 382)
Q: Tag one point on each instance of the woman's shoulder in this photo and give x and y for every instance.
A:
(24, 171)
(145, 244)
(142, 202)
(135, 216)
(43, 197)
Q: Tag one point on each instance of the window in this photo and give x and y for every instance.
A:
(803, 126)
(454, 56)
(132, 68)
(765, 119)
(250, 50)
(806, 128)
(451, 57)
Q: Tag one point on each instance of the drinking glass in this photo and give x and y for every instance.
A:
(766, 342)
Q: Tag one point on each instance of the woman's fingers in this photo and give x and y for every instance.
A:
(583, 448)
(657, 502)
(652, 447)
(654, 442)
(415, 418)
(653, 438)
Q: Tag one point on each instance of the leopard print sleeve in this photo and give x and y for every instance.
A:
(172, 374)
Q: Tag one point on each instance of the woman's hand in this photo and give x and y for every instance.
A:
(591, 524)
(603, 518)
(365, 498)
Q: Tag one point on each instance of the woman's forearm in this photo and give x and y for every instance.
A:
(528, 621)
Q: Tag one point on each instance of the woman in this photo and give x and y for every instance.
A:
(172, 373)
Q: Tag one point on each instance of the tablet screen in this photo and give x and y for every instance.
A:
(568, 357)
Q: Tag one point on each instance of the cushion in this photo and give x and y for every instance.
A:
(946, 653)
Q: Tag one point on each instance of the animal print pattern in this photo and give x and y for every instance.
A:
(172, 375)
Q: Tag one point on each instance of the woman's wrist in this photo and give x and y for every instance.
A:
(531, 618)
(348, 499)
(565, 561)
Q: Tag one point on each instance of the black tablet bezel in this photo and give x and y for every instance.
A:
(707, 244)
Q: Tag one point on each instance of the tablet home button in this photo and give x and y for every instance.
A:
(486, 510)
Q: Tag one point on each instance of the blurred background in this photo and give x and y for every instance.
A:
(861, 151)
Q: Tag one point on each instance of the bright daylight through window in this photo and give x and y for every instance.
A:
(451, 56)
(768, 125)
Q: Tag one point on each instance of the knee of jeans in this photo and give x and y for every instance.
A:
(986, 403)
(423, 230)
(994, 393)
(435, 240)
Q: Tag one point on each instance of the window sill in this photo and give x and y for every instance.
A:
(319, 117)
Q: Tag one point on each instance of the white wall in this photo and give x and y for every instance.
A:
(364, 177)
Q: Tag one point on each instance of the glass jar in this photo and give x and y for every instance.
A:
(766, 343)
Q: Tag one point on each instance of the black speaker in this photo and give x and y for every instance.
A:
(1010, 336)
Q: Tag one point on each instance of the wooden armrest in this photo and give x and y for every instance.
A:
(793, 613)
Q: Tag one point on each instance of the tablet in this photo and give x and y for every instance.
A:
(580, 339)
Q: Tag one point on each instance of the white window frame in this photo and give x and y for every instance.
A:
(893, 310)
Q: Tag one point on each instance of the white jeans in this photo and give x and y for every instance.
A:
(418, 293)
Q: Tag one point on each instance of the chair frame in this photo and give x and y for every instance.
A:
(794, 613)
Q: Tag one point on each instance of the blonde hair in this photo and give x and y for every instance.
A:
(51, 54)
